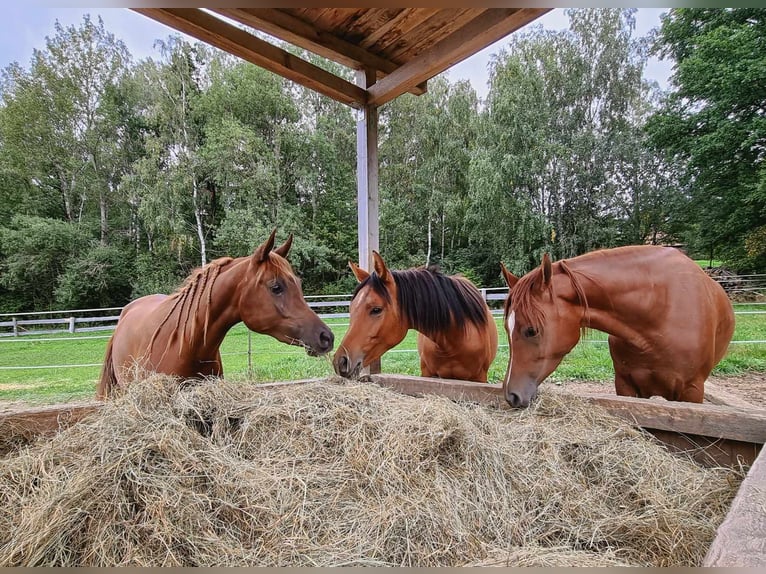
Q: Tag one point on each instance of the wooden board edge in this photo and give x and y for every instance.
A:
(740, 540)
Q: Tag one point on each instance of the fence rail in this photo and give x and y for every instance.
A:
(326, 306)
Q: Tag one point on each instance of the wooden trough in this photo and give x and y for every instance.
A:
(730, 433)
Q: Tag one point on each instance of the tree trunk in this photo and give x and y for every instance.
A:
(428, 255)
(198, 219)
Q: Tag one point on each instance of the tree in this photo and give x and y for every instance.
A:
(549, 172)
(713, 125)
(60, 123)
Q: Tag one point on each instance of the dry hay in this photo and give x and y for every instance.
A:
(336, 473)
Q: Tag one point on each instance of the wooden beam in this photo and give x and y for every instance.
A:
(721, 434)
(487, 28)
(368, 226)
(302, 34)
(367, 176)
(740, 540)
(222, 35)
(41, 421)
(688, 418)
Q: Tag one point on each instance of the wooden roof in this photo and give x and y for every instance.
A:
(403, 46)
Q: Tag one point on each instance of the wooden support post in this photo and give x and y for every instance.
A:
(367, 180)
(71, 324)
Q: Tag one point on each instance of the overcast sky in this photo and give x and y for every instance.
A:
(25, 28)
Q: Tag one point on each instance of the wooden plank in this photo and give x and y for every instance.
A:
(714, 429)
(304, 35)
(713, 421)
(710, 452)
(442, 24)
(740, 540)
(490, 26)
(218, 33)
(43, 421)
(386, 35)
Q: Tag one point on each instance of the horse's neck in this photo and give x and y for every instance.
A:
(609, 287)
(218, 309)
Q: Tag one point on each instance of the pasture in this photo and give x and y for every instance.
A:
(270, 360)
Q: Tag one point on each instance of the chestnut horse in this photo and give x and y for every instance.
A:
(457, 335)
(180, 334)
(668, 322)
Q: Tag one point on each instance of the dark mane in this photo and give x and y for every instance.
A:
(432, 301)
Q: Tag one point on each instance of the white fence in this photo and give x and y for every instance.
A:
(326, 306)
(85, 320)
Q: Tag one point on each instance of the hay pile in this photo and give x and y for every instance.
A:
(351, 474)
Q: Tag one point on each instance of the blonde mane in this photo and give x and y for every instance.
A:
(524, 300)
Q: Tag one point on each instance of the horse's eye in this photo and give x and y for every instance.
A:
(276, 288)
(376, 310)
(530, 332)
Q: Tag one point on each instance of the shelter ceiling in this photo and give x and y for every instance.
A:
(404, 47)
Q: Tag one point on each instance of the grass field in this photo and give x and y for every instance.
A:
(274, 361)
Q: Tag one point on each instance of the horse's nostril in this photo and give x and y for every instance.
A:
(326, 339)
(342, 365)
(514, 400)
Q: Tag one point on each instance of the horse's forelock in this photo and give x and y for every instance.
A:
(375, 283)
(525, 302)
(279, 266)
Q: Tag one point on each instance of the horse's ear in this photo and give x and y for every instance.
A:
(380, 266)
(510, 278)
(359, 273)
(546, 270)
(261, 254)
(283, 249)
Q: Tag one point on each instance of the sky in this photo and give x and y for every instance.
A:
(25, 28)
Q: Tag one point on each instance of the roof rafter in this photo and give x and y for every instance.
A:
(487, 28)
(304, 35)
(236, 41)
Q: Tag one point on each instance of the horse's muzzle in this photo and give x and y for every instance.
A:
(324, 344)
(345, 368)
(519, 398)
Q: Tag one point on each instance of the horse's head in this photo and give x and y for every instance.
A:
(375, 322)
(541, 331)
(271, 301)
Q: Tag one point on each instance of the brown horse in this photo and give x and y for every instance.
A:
(457, 334)
(180, 334)
(668, 322)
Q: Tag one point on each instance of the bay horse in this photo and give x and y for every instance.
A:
(669, 323)
(180, 334)
(457, 336)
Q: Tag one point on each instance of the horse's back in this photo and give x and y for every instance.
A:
(686, 324)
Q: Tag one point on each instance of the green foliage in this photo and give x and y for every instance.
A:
(34, 254)
(713, 122)
(98, 277)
